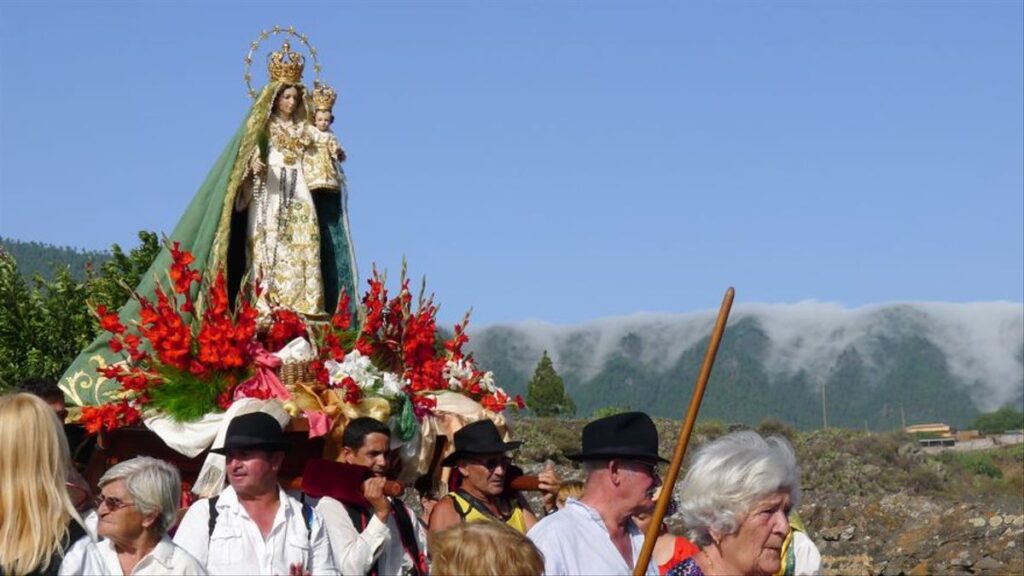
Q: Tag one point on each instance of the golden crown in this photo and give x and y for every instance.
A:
(285, 66)
(324, 97)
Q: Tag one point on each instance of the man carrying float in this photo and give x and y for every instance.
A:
(226, 326)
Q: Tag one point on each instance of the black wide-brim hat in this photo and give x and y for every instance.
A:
(253, 430)
(480, 437)
(629, 435)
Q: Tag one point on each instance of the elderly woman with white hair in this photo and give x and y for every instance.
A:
(735, 501)
(138, 502)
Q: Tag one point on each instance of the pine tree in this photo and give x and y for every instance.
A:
(545, 393)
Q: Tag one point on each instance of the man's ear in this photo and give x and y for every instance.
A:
(347, 454)
(614, 472)
(276, 459)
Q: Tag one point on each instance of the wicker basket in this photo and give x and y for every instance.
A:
(296, 373)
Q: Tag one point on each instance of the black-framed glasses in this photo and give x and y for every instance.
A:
(493, 463)
(650, 468)
(112, 503)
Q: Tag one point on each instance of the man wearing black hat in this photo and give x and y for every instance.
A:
(482, 462)
(596, 534)
(253, 526)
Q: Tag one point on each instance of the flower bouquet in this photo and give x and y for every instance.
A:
(384, 358)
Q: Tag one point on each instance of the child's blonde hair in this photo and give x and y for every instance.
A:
(484, 548)
(570, 489)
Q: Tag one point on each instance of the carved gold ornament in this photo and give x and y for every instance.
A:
(284, 66)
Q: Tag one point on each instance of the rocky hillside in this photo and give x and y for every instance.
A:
(873, 503)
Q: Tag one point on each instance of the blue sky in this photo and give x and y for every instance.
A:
(563, 161)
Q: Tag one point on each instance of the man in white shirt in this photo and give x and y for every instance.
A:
(369, 532)
(253, 526)
(596, 534)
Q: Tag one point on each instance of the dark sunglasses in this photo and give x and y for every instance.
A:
(493, 463)
(112, 503)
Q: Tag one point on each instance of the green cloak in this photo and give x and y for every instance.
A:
(215, 235)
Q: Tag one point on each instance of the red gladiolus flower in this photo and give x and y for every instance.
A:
(109, 321)
(342, 319)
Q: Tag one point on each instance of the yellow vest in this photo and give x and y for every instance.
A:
(471, 513)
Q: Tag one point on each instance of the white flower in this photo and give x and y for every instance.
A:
(391, 385)
(457, 373)
(368, 377)
(487, 382)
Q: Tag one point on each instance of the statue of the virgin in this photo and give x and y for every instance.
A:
(254, 218)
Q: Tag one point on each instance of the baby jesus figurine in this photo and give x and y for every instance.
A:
(326, 183)
(321, 167)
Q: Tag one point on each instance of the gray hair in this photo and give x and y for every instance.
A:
(729, 476)
(154, 484)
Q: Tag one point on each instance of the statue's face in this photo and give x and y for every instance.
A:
(287, 100)
(322, 120)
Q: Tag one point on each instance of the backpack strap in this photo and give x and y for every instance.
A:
(213, 513)
(462, 512)
(407, 533)
(360, 518)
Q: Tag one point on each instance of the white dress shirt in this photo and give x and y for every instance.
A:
(163, 560)
(82, 558)
(355, 552)
(574, 540)
(237, 545)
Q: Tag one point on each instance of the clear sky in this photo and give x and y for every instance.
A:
(563, 161)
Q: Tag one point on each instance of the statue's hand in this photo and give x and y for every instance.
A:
(257, 166)
(340, 153)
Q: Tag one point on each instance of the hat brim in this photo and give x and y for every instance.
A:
(251, 444)
(645, 457)
(505, 447)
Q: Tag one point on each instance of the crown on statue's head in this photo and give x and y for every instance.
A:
(324, 97)
(285, 66)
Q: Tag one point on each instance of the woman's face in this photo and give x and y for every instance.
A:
(119, 518)
(756, 547)
(288, 100)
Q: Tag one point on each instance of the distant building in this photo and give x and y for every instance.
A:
(929, 435)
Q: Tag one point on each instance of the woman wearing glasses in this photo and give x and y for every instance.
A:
(38, 521)
(138, 502)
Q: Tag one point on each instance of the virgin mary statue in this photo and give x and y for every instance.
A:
(254, 218)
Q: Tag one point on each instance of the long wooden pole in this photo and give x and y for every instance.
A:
(669, 482)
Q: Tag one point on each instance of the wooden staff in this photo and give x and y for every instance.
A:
(651, 537)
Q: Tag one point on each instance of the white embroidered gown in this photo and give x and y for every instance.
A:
(283, 237)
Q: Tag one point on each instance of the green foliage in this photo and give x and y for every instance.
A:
(546, 392)
(123, 272)
(46, 323)
(607, 411)
(1006, 418)
(45, 260)
(190, 398)
(980, 463)
(42, 327)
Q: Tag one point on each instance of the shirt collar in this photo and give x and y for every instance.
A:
(578, 507)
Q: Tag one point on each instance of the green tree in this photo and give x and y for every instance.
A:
(1006, 418)
(42, 328)
(545, 393)
(45, 324)
(122, 272)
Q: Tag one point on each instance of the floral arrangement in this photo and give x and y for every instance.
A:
(396, 352)
(186, 364)
(169, 365)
